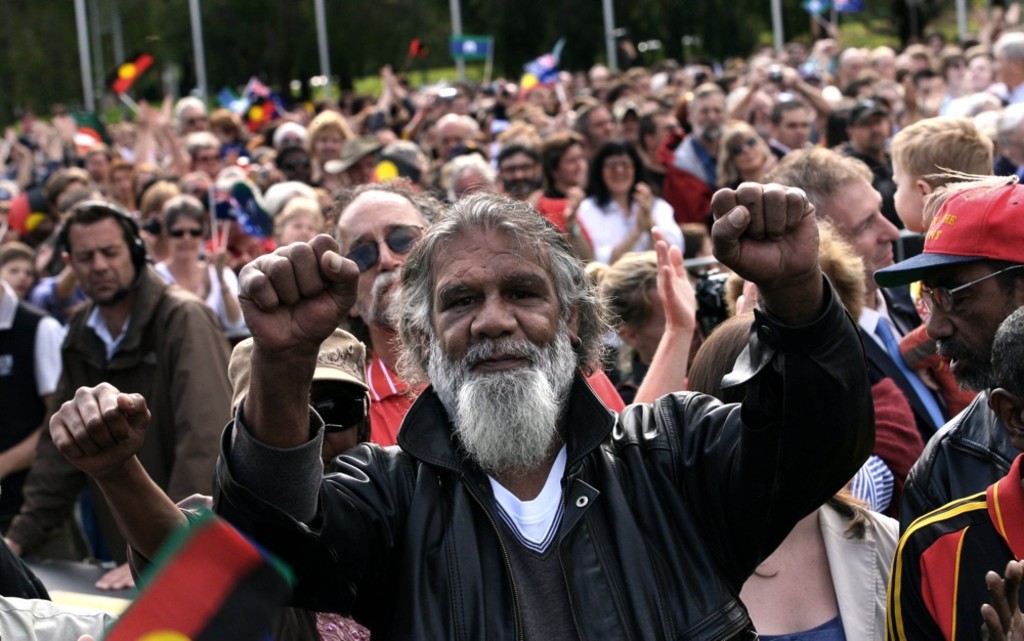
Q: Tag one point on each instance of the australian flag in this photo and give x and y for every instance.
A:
(240, 203)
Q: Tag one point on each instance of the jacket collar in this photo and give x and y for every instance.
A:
(427, 432)
(1005, 499)
(148, 294)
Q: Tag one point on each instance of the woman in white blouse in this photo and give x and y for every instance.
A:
(185, 225)
(619, 211)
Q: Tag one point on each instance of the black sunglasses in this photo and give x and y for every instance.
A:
(736, 149)
(341, 413)
(180, 233)
(399, 240)
(295, 166)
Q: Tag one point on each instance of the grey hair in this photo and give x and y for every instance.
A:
(1008, 353)
(461, 166)
(1009, 123)
(1010, 44)
(520, 222)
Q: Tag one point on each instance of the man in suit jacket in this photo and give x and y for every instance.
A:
(840, 189)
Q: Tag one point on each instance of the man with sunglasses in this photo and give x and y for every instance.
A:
(377, 226)
(971, 279)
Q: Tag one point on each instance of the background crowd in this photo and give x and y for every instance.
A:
(621, 163)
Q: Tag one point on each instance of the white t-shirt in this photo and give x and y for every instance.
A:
(609, 226)
(536, 522)
(46, 351)
(214, 300)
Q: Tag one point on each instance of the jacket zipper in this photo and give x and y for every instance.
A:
(505, 556)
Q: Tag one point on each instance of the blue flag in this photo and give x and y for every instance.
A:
(849, 6)
(240, 204)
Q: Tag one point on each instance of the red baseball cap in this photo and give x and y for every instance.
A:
(984, 223)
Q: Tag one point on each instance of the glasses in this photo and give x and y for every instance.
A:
(735, 149)
(399, 240)
(341, 413)
(295, 166)
(213, 158)
(195, 120)
(180, 233)
(942, 298)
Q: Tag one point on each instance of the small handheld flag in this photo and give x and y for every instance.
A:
(128, 72)
(209, 582)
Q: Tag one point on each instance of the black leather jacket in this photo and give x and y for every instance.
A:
(966, 456)
(668, 507)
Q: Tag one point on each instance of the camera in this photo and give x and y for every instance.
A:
(775, 74)
(710, 294)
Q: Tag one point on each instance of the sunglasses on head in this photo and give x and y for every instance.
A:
(399, 240)
(737, 148)
(180, 233)
(341, 412)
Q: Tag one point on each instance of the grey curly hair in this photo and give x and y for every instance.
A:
(519, 221)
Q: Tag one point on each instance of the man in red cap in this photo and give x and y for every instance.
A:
(971, 281)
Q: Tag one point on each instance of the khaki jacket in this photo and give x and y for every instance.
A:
(176, 356)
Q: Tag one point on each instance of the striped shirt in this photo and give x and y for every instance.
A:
(937, 586)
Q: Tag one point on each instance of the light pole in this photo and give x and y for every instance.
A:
(83, 55)
(321, 37)
(197, 46)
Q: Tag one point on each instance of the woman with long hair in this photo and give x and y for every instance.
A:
(620, 212)
(744, 155)
(827, 578)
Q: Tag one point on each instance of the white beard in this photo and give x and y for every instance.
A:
(508, 420)
(377, 310)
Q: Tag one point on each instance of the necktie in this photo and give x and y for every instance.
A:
(922, 391)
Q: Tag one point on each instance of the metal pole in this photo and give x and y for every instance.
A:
(460, 62)
(321, 37)
(117, 32)
(96, 42)
(83, 55)
(961, 19)
(197, 46)
(777, 25)
(609, 34)
(489, 63)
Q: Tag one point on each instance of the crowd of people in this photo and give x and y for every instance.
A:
(694, 351)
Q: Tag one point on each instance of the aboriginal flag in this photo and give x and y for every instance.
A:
(129, 71)
(209, 583)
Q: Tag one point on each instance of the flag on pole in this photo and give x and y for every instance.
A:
(419, 49)
(542, 70)
(470, 47)
(129, 71)
(849, 6)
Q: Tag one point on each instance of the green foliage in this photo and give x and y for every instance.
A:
(276, 39)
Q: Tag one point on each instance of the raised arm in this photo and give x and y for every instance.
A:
(292, 300)
(99, 432)
(667, 372)
(768, 235)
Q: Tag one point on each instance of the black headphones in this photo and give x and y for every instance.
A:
(136, 246)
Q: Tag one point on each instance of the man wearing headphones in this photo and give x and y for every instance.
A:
(143, 336)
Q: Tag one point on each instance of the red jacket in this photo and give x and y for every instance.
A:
(688, 194)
